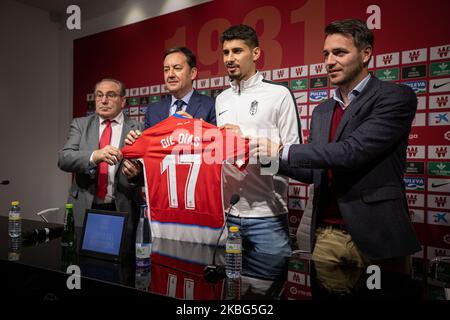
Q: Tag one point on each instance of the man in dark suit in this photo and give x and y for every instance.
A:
(355, 157)
(92, 153)
(180, 70)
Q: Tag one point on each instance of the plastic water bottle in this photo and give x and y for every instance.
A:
(15, 220)
(233, 289)
(14, 248)
(142, 279)
(233, 253)
(143, 240)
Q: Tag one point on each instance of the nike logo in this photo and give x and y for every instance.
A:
(222, 112)
(437, 185)
(436, 86)
(299, 97)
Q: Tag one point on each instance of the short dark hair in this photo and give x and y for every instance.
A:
(122, 89)
(357, 29)
(190, 56)
(241, 32)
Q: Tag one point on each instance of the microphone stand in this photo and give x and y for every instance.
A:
(212, 271)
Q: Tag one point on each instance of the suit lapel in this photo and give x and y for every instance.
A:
(325, 124)
(356, 105)
(164, 108)
(194, 104)
(92, 132)
(127, 126)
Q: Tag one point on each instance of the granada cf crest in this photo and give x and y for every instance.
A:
(253, 107)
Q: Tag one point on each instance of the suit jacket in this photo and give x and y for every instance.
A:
(368, 160)
(199, 106)
(82, 140)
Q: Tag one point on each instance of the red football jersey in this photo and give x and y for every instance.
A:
(183, 161)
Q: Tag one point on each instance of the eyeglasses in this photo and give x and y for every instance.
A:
(110, 95)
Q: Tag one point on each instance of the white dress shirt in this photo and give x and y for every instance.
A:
(116, 133)
(186, 98)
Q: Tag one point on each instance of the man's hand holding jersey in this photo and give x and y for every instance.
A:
(265, 148)
(261, 147)
(233, 128)
(131, 168)
(109, 154)
(132, 136)
(185, 114)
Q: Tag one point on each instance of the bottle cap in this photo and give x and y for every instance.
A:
(15, 203)
(69, 206)
(234, 229)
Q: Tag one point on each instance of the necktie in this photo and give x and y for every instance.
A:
(179, 104)
(102, 180)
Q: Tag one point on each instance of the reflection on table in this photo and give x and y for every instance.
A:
(177, 272)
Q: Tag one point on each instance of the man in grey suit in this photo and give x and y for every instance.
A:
(92, 153)
(355, 157)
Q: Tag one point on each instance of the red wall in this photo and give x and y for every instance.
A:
(291, 34)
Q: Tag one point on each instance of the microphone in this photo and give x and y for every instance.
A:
(234, 199)
(212, 272)
(38, 235)
(4, 182)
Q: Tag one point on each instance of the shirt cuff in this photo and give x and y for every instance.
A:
(285, 153)
(91, 161)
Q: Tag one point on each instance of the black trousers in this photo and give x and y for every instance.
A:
(104, 206)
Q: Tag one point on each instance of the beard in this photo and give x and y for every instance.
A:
(234, 77)
(348, 77)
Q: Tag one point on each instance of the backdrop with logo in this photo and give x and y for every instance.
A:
(412, 46)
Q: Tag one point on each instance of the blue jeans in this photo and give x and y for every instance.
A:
(268, 235)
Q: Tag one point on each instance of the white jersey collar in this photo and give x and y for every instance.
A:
(245, 84)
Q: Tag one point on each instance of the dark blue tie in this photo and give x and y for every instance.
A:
(179, 104)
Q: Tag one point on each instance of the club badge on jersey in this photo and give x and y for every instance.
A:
(253, 107)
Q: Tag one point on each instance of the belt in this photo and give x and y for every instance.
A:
(341, 227)
(104, 206)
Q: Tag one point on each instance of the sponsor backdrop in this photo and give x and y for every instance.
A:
(412, 47)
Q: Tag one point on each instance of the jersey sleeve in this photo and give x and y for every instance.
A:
(137, 149)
